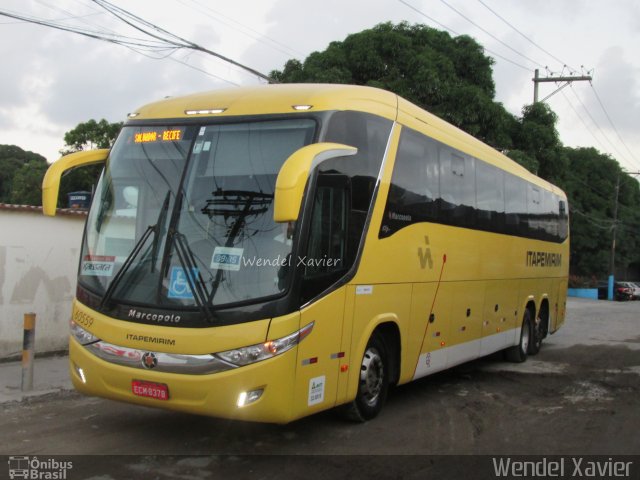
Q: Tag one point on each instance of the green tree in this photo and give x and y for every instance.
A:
(18, 172)
(27, 183)
(590, 184)
(449, 76)
(90, 135)
(524, 159)
(538, 138)
(86, 136)
(452, 78)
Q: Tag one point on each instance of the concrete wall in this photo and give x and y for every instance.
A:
(583, 293)
(38, 268)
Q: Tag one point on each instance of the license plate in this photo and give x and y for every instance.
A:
(141, 388)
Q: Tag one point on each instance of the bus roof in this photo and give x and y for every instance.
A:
(281, 98)
(289, 98)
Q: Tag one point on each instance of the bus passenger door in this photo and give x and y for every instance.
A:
(324, 263)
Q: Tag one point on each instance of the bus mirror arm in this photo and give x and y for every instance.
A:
(293, 175)
(51, 181)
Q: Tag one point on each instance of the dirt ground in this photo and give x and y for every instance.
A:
(579, 396)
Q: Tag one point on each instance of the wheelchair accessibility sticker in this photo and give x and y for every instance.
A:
(179, 284)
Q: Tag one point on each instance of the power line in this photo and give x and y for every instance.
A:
(601, 223)
(119, 40)
(610, 121)
(573, 70)
(182, 62)
(490, 34)
(144, 26)
(111, 33)
(242, 28)
(526, 37)
(603, 196)
(586, 125)
(604, 223)
(602, 132)
(459, 34)
(161, 43)
(430, 18)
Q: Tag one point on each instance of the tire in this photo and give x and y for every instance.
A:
(518, 353)
(373, 384)
(538, 332)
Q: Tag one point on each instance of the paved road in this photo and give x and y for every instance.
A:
(578, 396)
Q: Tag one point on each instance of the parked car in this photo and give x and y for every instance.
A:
(621, 291)
(624, 290)
(636, 290)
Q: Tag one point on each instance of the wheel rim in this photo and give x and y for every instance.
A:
(371, 376)
(525, 337)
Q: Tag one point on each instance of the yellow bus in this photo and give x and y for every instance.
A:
(266, 253)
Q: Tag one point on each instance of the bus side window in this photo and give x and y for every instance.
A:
(414, 190)
(490, 197)
(515, 191)
(457, 188)
(326, 258)
(550, 215)
(563, 219)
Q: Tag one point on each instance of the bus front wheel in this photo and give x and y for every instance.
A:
(373, 382)
(518, 353)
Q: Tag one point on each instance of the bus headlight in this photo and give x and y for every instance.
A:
(261, 351)
(81, 335)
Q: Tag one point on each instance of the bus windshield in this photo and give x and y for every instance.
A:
(183, 215)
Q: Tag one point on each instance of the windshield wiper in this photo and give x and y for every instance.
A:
(136, 250)
(125, 266)
(192, 274)
(235, 204)
(158, 228)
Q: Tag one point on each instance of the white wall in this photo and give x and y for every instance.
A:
(38, 269)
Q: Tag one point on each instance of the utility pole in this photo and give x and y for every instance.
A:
(568, 79)
(612, 257)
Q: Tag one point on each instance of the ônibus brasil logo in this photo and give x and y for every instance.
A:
(36, 469)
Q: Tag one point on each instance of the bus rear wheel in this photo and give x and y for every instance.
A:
(518, 353)
(537, 334)
(373, 382)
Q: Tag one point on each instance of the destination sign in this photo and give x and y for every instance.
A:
(158, 136)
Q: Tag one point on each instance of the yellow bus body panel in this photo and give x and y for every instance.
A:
(192, 341)
(451, 294)
(213, 394)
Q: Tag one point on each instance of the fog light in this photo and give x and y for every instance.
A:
(245, 398)
(80, 373)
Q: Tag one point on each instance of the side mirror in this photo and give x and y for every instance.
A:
(294, 173)
(51, 181)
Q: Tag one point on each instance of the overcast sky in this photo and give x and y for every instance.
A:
(50, 80)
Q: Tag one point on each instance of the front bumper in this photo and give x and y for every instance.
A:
(213, 394)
